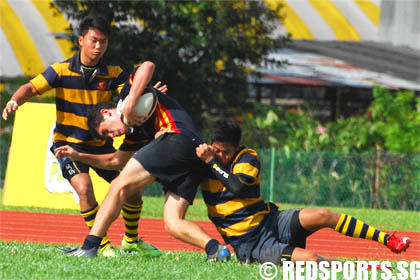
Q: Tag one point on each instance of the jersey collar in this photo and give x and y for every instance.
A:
(76, 65)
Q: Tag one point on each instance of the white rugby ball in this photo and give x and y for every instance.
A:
(145, 106)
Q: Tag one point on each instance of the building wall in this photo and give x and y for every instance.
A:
(399, 23)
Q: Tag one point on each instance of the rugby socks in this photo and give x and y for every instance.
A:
(91, 241)
(131, 215)
(212, 247)
(89, 217)
(353, 227)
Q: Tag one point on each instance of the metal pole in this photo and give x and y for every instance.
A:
(273, 156)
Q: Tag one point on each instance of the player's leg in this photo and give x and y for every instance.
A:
(82, 184)
(189, 232)
(174, 211)
(279, 237)
(77, 174)
(300, 254)
(132, 179)
(131, 212)
(315, 219)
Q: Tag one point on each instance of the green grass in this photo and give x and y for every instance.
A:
(40, 261)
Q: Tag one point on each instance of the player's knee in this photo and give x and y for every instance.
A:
(84, 190)
(300, 254)
(311, 256)
(117, 188)
(170, 226)
(83, 185)
(173, 224)
(323, 215)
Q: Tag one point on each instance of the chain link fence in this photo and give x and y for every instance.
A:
(391, 181)
(326, 178)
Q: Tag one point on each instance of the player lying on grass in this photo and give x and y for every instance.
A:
(169, 159)
(81, 82)
(256, 229)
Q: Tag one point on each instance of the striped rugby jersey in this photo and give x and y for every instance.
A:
(237, 218)
(75, 95)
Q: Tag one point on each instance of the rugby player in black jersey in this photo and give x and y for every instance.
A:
(169, 159)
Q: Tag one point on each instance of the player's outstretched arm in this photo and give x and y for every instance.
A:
(112, 161)
(19, 97)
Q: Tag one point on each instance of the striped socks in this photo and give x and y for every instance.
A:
(131, 215)
(89, 217)
(353, 227)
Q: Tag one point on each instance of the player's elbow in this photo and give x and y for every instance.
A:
(29, 90)
(148, 65)
(237, 189)
(115, 164)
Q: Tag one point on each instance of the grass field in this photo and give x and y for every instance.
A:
(42, 261)
(38, 261)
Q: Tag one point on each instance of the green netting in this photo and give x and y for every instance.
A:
(337, 179)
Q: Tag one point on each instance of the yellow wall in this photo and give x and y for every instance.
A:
(32, 176)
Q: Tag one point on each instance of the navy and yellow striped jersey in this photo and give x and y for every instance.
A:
(168, 114)
(237, 218)
(76, 94)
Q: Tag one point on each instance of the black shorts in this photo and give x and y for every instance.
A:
(172, 160)
(279, 236)
(69, 168)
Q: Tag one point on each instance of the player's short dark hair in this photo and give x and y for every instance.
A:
(95, 22)
(226, 131)
(94, 117)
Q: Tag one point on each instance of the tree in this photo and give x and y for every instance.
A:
(203, 50)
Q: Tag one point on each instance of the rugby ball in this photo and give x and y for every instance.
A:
(145, 106)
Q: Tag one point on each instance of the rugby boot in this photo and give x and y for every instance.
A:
(222, 254)
(82, 253)
(108, 251)
(398, 244)
(142, 247)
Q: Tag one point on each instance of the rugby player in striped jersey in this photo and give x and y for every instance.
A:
(80, 83)
(256, 229)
